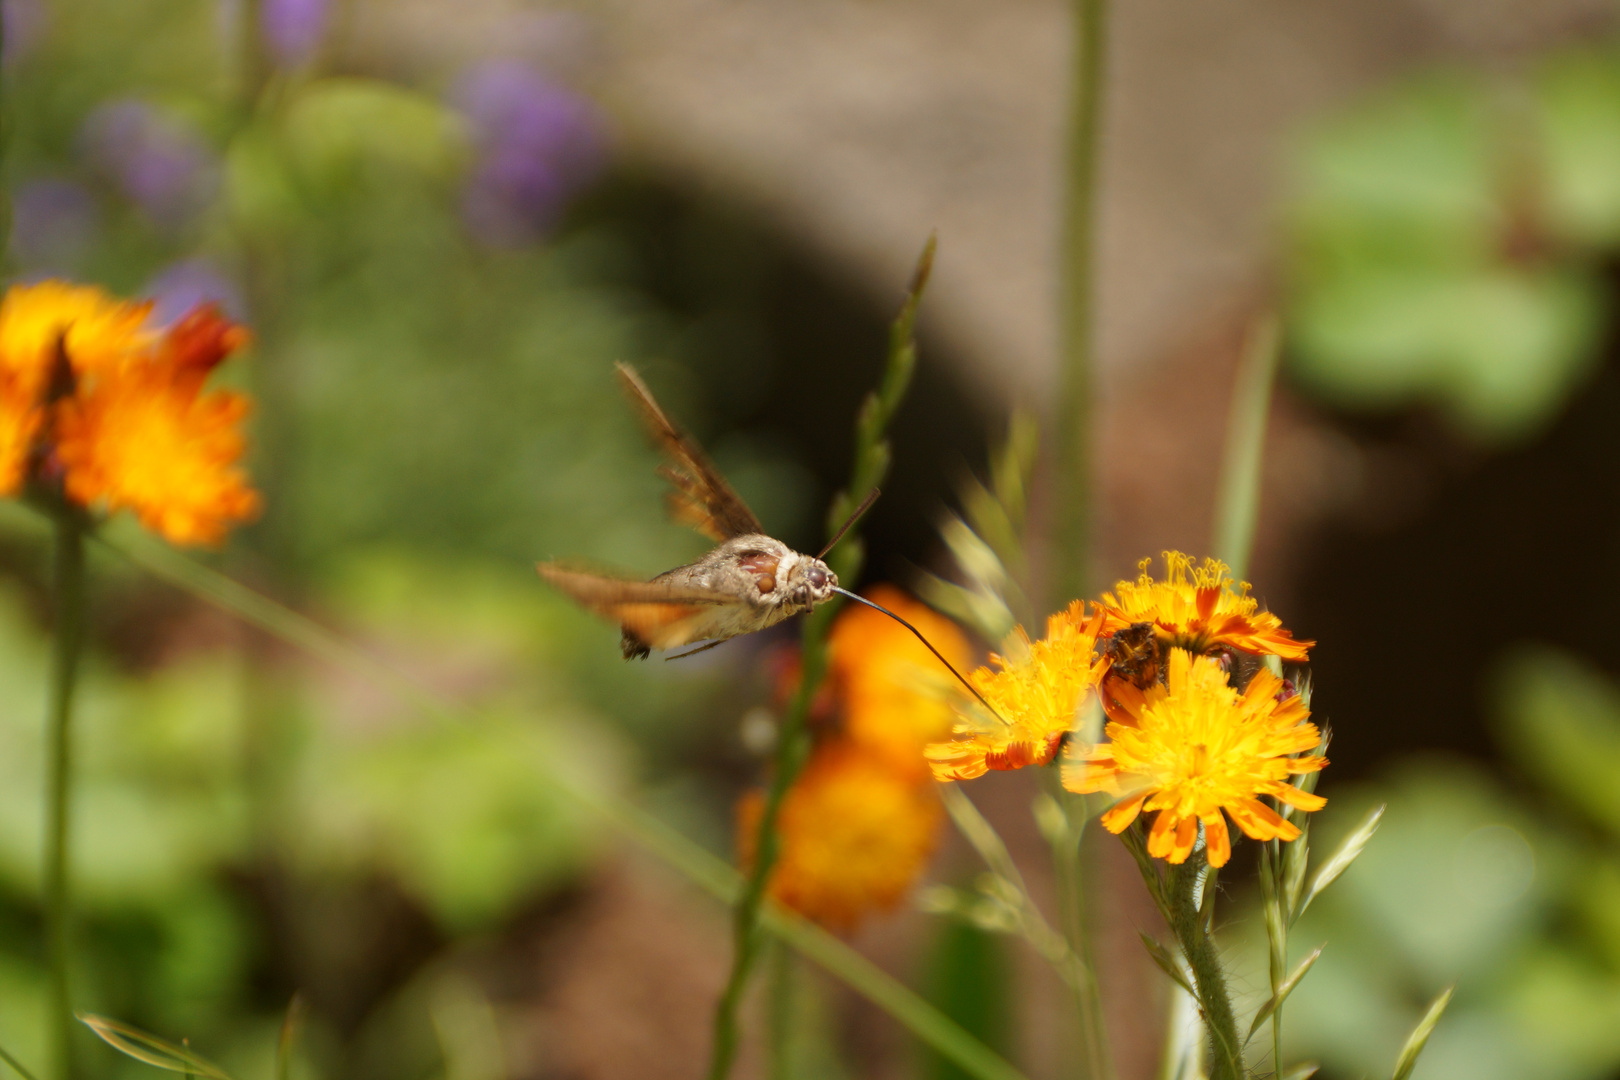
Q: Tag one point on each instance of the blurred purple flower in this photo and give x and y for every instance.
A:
(184, 285)
(53, 223)
(538, 143)
(293, 28)
(157, 161)
(23, 23)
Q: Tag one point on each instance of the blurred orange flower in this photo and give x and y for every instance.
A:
(854, 834)
(90, 395)
(149, 440)
(894, 693)
(1038, 693)
(1193, 747)
(862, 819)
(1198, 608)
(91, 330)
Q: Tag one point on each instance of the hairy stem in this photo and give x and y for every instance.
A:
(67, 587)
(1187, 923)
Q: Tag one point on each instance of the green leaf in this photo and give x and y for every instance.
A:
(1342, 858)
(150, 1049)
(1303, 1071)
(1407, 1061)
(1287, 987)
(1167, 963)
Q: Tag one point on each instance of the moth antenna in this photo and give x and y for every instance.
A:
(949, 666)
(866, 504)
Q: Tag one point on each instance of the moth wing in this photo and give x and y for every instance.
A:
(702, 498)
(663, 616)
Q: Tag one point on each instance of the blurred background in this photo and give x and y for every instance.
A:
(444, 222)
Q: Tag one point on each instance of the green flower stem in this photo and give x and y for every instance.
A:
(1073, 464)
(793, 749)
(67, 587)
(780, 1008)
(1187, 922)
(872, 460)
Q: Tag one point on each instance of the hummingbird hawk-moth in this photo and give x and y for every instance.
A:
(751, 581)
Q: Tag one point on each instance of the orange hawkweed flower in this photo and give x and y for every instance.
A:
(148, 439)
(90, 329)
(854, 834)
(1199, 608)
(891, 689)
(1037, 692)
(113, 410)
(1193, 747)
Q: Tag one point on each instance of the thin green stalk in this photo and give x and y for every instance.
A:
(1074, 487)
(1237, 500)
(1189, 922)
(67, 588)
(1271, 894)
(780, 1012)
(872, 458)
(16, 1066)
(1068, 855)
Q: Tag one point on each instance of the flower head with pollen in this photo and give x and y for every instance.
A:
(854, 833)
(1193, 747)
(1037, 695)
(147, 438)
(1199, 608)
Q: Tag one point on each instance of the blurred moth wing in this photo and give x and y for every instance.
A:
(702, 498)
(749, 582)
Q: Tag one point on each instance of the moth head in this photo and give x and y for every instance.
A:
(816, 582)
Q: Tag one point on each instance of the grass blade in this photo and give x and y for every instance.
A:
(287, 1041)
(1237, 502)
(1280, 995)
(1420, 1035)
(1341, 859)
(150, 1049)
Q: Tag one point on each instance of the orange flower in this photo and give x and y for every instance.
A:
(1198, 608)
(854, 833)
(1193, 747)
(1038, 693)
(892, 689)
(145, 437)
(90, 329)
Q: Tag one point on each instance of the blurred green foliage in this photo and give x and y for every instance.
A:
(1446, 241)
(1511, 894)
